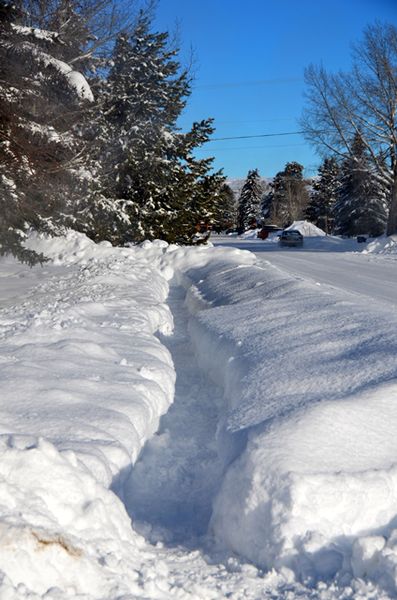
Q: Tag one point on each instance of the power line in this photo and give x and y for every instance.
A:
(261, 135)
(236, 84)
(220, 149)
(274, 120)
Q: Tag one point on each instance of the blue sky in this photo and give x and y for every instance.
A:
(249, 59)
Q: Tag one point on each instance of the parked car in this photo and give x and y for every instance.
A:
(263, 233)
(291, 237)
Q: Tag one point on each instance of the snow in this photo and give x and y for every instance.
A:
(333, 263)
(251, 234)
(307, 229)
(80, 367)
(272, 472)
(39, 34)
(75, 80)
(383, 245)
(79, 83)
(309, 373)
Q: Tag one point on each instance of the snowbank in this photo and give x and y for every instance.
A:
(59, 527)
(317, 492)
(383, 245)
(307, 229)
(308, 434)
(251, 234)
(84, 382)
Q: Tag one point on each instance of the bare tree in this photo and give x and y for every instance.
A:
(364, 102)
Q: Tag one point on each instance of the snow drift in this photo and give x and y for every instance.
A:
(84, 383)
(383, 245)
(307, 229)
(306, 431)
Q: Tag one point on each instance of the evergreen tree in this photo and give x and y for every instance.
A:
(155, 185)
(116, 167)
(225, 216)
(323, 195)
(249, 202)
(361, 206)
(269, 206)
(41, 97)
(288, 197)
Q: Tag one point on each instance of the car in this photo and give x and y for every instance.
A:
(291, 237)
(263, 233)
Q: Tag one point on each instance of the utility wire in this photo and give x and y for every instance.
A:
(261, 135)
(236, 84)
(225, 149)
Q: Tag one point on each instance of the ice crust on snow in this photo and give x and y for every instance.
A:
(306, 435)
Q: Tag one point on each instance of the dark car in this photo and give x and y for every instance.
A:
(263, 233)
(291, 237)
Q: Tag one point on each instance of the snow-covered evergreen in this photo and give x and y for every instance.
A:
(323, 195)
(362, 199)
(225, 216)
(248, 211)
(115, 166)
(287, 199)
(157, 187)
(41, 156)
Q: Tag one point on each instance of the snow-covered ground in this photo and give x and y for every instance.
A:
(365, 270)
(273, 470)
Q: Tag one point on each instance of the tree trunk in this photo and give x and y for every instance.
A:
(392, 220)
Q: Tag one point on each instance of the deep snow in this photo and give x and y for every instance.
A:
(278, 449)
(365, 270)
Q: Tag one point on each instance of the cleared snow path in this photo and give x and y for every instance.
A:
(170, 492)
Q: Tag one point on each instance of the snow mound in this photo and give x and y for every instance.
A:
(317, 491)
(70, 248)
(84, 383)
(59, 527)
(308, 430)
(307, 229)
(305, 438)
(383, 245)
(251, 234)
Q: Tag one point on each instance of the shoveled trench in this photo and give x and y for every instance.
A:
(171, 488)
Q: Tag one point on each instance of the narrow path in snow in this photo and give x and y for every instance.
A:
(170, 491)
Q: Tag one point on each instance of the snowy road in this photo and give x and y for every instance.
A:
(368, 276)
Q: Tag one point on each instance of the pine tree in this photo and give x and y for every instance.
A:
(361, 206)
(269, 206)
(323, 195)
(249, 202)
